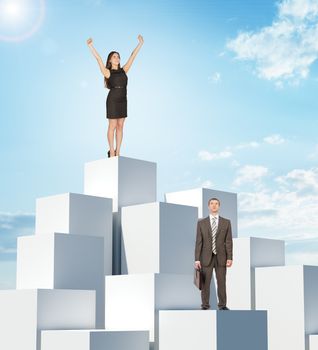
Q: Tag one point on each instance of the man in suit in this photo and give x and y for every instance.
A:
(213, 248)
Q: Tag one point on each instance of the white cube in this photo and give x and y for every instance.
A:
(289, 293)
(313, 342)
(94, 340)
(212, 330)
(158, 237)
(126, 180)
(199, 197)
(24, 313)
(132, 301)
(248, 253)
(63, 261)
(78, 214)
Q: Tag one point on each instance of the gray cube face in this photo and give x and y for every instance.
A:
(24, 313)
(289, 293)
(212, 330)
(63, 261)
(73, 213)
(248, 330)
(94, 340)
(127, 181)
(77, 214)
(248, 253)
(133, 301)
(199, 197)
(158, 237)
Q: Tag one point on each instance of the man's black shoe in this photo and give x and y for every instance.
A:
(224, 308)
(205, 307)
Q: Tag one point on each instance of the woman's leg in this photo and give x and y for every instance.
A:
(119, 134)
(110, 135)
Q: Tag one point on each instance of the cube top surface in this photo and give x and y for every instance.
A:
(296, 267)
(44, 290)
(73, 195)
(91, 330)
(255, 238)
(202, 189)
(213, 312)
(158, 204)
(126, 180)
(118, 159)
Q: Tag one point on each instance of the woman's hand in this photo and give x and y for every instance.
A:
(89, 41)
(141, 39)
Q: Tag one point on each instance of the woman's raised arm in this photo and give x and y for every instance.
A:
(127, 65)
(105, 71)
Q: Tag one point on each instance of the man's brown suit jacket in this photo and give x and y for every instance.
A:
(224, 242)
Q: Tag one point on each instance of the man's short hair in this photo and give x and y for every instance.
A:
(215, 199)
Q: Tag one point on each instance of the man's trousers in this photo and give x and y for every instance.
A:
(220, 272)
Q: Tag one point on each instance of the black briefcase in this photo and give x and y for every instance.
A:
(198, 278)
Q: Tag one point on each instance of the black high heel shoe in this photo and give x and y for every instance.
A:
(108, 153)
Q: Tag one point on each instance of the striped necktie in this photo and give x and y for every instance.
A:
(214, 229)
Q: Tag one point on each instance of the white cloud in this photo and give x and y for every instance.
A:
(13, 225)
(275, 139)
(301, 251)
(6, 285)
(235, 163)
(250, 174)
(299, 9)
(289, 211)
(300, 180)
(251, 144)
(302, 258)
(203, 183)
(215, 77)
(229, 151)
(4, 250)
(7, 274)
(207, 183)
(206, 155)
(285, 50)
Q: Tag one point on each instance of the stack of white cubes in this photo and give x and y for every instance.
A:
(112, 268)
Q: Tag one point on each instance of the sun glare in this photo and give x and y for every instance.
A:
(13, 10)
(20, 19)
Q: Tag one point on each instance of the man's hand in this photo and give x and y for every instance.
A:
(229, 263)
(197, 265)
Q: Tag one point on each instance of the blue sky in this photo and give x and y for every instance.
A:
(222, 95)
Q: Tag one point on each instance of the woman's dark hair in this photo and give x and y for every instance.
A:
(109, 66)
